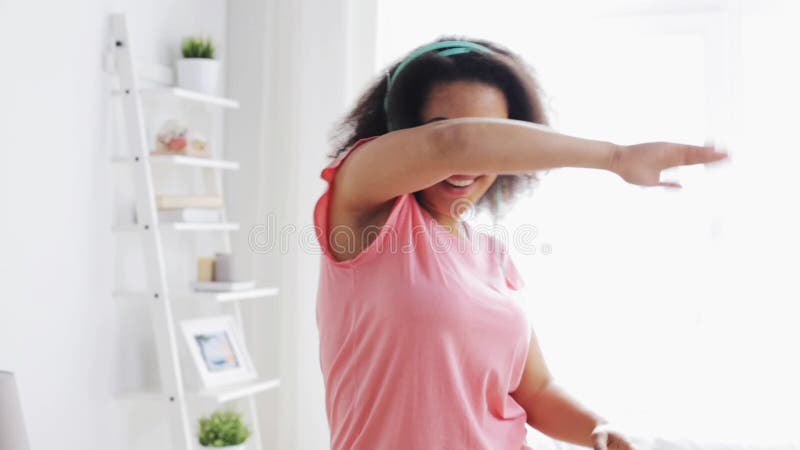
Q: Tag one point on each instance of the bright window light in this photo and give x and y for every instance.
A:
(671, 312)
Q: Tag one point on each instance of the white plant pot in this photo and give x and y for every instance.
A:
(229, 447)
(198, 74)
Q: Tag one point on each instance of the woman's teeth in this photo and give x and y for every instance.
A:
(460, 183)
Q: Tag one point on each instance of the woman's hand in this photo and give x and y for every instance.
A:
(604, 437)
(642, 164)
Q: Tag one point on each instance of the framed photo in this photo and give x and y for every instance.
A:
(218, 350)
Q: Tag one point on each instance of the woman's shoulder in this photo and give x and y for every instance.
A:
(345, 235)
(329, 172)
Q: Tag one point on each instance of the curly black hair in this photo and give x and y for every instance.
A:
(501, 69)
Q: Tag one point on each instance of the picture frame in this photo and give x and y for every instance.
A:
(218, 350)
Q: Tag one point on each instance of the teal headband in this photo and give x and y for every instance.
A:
(449, 48)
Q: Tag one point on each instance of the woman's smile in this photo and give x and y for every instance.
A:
(459, 185)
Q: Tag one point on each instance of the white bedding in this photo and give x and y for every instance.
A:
(540, 442)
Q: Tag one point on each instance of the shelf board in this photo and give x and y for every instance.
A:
(190, 95)
(219, 394)
(234, 296)
(181, 160)
(181, 226)
(228, 393)
(194, 161)
(222, 297)
(188, 226)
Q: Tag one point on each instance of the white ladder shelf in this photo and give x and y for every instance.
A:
(172, 393)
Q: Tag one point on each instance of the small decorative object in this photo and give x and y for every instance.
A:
(197, 143)
(175, 138)
(205, 269)
(171, 137)
(223, 429)
(223, 267)
(222, 278)
(218, 350)
(198, 70)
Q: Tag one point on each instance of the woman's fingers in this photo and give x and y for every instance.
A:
(618, 443)
(685, 155)
(641, 164)
(672, 184)
(606, 437)
(599, 440)
(693, 154)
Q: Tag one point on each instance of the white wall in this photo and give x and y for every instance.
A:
(60, 331)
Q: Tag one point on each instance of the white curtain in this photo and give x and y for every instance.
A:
(668, 312)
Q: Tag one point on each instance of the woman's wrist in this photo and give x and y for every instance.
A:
(613, 153)
(598, 155)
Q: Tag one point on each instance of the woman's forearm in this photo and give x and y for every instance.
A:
(489, 145)
(553, 412)
(415, 158)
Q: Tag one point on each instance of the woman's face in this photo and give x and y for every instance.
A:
(448, 101)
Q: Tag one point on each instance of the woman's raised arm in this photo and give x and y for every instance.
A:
(412, 159)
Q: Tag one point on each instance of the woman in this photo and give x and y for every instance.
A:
(422, 345)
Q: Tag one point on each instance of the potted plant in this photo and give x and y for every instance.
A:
(198, 70)
(223, 429)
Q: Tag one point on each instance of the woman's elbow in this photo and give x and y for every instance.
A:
(448, 140)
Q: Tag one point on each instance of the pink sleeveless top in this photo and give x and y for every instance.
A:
(421, 340)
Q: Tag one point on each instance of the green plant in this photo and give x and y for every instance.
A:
(196, 47)
(222, 428)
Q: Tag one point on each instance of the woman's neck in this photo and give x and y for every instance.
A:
(454, 225)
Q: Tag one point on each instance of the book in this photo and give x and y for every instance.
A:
(195, 215)
(188, 201)
(205, 269)
(222, 286)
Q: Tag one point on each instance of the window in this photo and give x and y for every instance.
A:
(670, 312)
